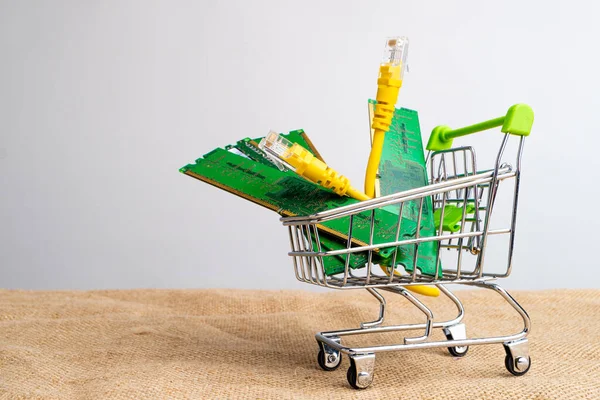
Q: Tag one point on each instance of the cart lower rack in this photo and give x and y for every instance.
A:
(455, 183)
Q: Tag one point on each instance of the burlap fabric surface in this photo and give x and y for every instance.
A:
(160, 344)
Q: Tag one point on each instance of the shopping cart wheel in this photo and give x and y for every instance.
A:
(360, 373)
(329, 361)
(329, 358)
(521, 362)
(457, 332)
(517, 360)
(458, 351)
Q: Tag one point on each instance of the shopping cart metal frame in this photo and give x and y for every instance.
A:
(454, 180)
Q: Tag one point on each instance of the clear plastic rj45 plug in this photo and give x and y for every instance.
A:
(395, 53)
(277, 148)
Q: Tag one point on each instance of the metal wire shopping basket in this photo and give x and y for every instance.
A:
(455, 181)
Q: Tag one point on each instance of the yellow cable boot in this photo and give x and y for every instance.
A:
(391, 73)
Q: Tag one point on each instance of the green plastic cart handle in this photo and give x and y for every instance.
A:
(517, 121)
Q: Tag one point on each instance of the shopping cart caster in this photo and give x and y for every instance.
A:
(329, 358)
(457, 332)
(517, 360)
(360, 373)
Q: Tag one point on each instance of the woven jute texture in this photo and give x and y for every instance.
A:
(205, 344)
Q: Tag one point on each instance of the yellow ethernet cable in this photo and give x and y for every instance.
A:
(301, 161)
(391, 72)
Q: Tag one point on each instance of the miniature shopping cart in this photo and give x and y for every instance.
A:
(454, 181)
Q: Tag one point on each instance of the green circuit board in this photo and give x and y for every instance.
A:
(402, 167)
(288, 194)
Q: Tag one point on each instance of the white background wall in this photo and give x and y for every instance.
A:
(101, 103)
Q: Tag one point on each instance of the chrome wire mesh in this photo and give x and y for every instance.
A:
(455, 181)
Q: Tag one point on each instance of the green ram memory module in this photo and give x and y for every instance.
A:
(402, 167)
(288, 194)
